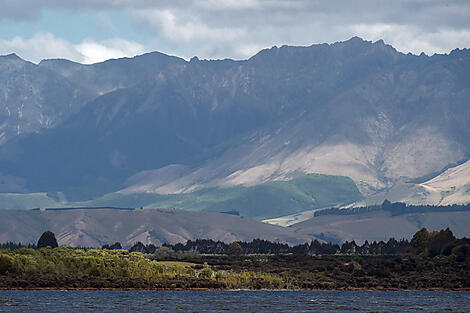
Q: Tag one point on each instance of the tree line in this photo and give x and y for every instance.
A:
(396, 208)
(423, 243)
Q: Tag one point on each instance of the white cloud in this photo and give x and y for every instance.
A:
(229, 4)
(238, 28)
(412, 39)
(105, 22)
(93, 52)
(40, 46)
(46, 46)
(181, 28)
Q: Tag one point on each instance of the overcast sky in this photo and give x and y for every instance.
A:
(90, 31)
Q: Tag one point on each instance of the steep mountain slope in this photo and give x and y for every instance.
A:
(354, 108)
(32, 98)
(96, 227)
(402, 122)
(39, 97)
(381, 225)
(452, 186)
(107, 76)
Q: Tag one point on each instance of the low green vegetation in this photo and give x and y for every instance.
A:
(431, 260)
(350, 271)
(93, 268)
(272, 199)
(75, 268)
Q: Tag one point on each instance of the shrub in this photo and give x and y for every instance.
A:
(235, 249)
(164, 253)
(358, 272)
(6, 264)
(205, 273)
(461, 252)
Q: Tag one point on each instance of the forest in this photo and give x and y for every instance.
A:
(423, 243)
(396, 208)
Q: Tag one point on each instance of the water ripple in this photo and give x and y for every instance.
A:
(233, 301)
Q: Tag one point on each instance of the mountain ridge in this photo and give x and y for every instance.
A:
(96, 227)
(353, 108)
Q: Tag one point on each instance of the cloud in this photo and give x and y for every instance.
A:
(186, 28)
(46, 46)
(105, 22)
(41, 45)
(93, 52)
(413, 39)
(218, 5)
(238, 28)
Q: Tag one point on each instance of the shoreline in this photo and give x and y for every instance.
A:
(219, 289)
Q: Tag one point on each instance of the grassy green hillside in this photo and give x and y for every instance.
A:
(17, 201)
(261, 201)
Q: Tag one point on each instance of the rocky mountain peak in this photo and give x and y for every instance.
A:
(354, 108)
(11, 56)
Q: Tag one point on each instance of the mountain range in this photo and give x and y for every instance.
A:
(155, 130)
(97, 227)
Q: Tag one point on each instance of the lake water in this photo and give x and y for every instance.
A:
(233, 301)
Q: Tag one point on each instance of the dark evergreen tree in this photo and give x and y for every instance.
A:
(114, 246)
(349, 247)
(301, 249)
(47, 239)
(235, 248)
(439, 241)
(14, 246)
(315, 247)
(138, 247)
(420, 240)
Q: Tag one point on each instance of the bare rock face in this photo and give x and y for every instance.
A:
(33, 98)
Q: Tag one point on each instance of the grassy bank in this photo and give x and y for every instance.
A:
(75, 268)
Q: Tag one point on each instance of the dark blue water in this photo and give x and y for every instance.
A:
(234, 301)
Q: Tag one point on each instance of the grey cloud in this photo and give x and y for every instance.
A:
(17, 10)
(425, 12)
(413, 25)
(237, 28)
